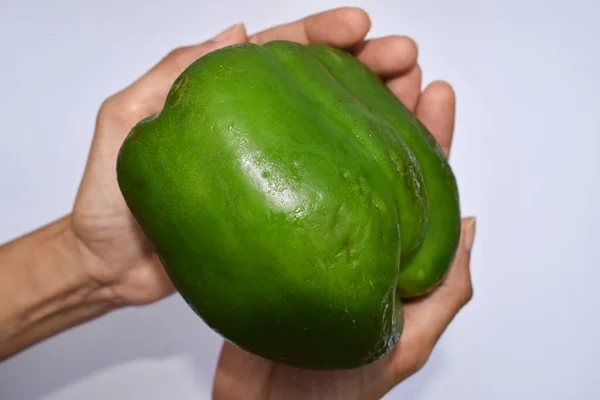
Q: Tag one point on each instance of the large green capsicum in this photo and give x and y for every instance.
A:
(293, 201)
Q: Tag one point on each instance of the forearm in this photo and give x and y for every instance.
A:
(43, 288)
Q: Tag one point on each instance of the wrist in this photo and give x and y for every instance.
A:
(78, 259)
(84, 263)
(46, 289)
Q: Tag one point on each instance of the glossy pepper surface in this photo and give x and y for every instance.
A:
(293, 201)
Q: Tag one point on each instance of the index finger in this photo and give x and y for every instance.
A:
(341, 27)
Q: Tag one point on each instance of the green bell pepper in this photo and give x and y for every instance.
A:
(293, 201)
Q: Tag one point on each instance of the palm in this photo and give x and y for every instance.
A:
(102, 220)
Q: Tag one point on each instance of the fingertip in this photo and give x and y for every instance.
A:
(407, 87)
(242, 34)
(468, 221)
(359, 19)
(389, 56)
(469, 229)
(458, 281)
(408, 46)
(234, 34)
(341, 27)
(442, 91)
(405, 53)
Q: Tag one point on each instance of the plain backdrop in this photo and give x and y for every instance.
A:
(525, 155)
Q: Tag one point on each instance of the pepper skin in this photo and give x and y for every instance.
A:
(293, 201)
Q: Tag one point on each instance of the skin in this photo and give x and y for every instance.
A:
(96, 259)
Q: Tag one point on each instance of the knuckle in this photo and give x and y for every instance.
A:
(175, 53)
(118, 110)
(107, 108)
(406, 44)
(178, 56)
(412, 44)
(466, 293)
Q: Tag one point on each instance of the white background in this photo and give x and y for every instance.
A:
(525, 154)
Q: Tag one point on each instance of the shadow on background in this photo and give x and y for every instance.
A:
(165, 329)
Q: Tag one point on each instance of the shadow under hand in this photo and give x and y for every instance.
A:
(164, 329)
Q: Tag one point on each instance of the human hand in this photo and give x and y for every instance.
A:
(241, 374)
(115, 252)
(121, 259)
(244, 375)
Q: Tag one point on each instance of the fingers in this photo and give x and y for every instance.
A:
(407, 87)
(388, 56)
(179, 59)
(342, 27)
(150, 91)
(437, 109)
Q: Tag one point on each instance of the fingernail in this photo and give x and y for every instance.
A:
(227, 33)
(469, 234)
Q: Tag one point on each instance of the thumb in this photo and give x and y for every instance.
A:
(428, 318)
